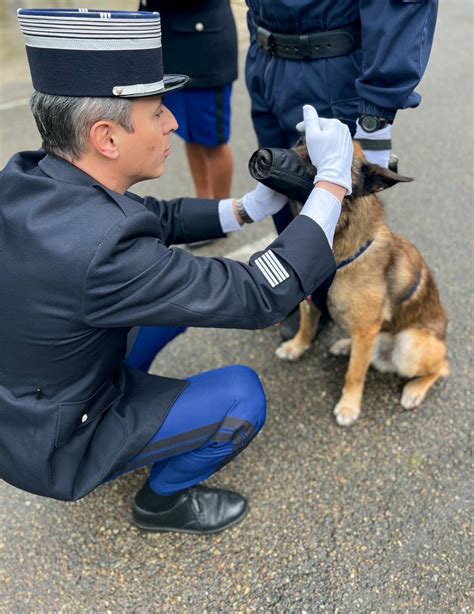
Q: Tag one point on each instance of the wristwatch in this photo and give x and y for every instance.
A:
(243, 212)
(370, 123)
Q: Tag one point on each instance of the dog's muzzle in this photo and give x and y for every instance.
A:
(282, 170)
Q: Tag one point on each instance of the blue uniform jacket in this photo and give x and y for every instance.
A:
(81, 265)
(396, 42)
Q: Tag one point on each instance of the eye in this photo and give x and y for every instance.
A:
(159, 113)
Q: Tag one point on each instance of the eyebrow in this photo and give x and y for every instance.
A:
(161, 103)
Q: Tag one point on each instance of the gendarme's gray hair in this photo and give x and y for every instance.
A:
(65, 122)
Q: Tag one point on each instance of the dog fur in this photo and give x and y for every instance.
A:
(367, 299)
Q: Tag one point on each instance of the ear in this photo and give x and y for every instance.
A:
(376, 178)
(103, 138)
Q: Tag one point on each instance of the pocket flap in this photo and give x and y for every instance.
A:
(74, 415)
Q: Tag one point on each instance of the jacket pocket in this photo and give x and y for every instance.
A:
(76, 415)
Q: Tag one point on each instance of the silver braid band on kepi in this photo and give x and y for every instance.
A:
(89, 53)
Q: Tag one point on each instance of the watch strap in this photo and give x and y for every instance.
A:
(243, 212)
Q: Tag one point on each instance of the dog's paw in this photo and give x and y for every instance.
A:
(291, 350)
(345, 413)
(412, 395)
(341, 347)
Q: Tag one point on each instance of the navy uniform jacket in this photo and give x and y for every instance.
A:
(199, 40)
(380, 76)
(81, 265)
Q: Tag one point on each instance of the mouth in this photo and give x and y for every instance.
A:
(167, 151)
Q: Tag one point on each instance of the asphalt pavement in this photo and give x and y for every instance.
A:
(371, 518)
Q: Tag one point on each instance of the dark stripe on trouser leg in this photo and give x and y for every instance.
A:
(237, 424)
(241, 432)
(220, 123)
(199, 433)
(242, 436)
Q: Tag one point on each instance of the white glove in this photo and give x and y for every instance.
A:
(263, 202)
(258, 204)
(382, 156)
(329, 146)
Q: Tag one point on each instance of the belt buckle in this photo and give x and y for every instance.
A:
(265, 39)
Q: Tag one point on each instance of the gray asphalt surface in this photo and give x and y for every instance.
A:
(371, 518)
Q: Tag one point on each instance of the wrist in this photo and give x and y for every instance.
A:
(368, 108)
(242, 212)
(337, 190)
(335, 179)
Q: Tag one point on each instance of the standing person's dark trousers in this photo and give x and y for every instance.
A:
(279, 88)
(347, 58)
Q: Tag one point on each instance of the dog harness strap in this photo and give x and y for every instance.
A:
(344, 263)
(412, 290)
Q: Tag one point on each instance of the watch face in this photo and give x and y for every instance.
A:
(369, 123)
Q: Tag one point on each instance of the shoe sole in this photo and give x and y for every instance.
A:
(153, 529)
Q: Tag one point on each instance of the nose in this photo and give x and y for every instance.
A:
(170, 125)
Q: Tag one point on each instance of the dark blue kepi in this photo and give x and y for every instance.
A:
(82, 52)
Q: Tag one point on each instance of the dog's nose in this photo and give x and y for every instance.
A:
(263, 163)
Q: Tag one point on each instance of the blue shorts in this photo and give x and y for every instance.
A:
(203, 115)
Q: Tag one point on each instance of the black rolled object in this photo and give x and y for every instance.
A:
(282, 170)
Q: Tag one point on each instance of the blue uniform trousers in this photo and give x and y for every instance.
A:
(214, 419)
(279, 88)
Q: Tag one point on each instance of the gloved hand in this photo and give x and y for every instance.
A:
(262, 202)
(373, 139)
(329, 146)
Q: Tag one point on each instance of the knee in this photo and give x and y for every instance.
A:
(247, 390)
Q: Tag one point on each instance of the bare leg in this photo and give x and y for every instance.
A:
(199, 165)
(211, 168)
(309, 320)
(221, 166)
(363, 342)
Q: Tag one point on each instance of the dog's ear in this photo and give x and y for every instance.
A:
(376, 178)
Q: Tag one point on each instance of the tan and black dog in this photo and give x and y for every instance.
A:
(383, 295)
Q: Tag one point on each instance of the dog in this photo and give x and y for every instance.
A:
(384, 295)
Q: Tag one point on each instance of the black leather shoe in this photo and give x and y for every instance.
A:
(199, 510)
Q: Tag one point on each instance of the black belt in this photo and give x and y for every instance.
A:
(310, 46)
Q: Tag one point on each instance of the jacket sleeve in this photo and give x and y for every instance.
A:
(397, 36)
(185, 220)
(134, 280)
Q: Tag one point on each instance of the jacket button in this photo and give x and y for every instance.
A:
(84, 418)
(199, 26)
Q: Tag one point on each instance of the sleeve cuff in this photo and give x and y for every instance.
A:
(227, 218)
(324, 209)
(368, 108)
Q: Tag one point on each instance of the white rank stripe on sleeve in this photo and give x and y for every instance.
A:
(272, 269)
